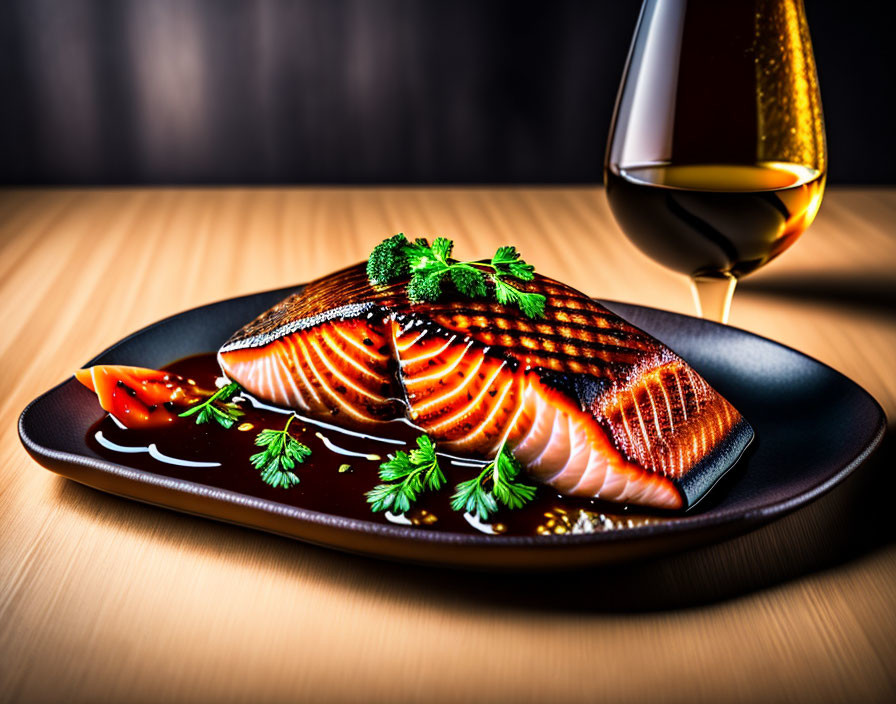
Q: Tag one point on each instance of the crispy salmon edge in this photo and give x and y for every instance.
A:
(703, 476)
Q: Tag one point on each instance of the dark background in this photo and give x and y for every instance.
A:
(366, 91)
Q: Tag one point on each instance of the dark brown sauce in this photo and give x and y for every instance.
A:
(323, 487)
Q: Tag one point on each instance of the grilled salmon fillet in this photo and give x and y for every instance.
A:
(591, 405)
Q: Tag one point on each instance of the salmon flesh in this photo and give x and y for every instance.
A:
(589, 404)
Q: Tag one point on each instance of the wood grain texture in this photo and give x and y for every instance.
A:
(106, 600)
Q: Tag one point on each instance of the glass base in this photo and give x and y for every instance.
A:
(712, 296)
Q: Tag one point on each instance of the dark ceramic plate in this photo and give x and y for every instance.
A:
(813, 427)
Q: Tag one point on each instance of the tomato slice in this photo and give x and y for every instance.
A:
(138, 397)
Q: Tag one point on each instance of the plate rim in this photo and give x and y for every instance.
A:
(685, 524)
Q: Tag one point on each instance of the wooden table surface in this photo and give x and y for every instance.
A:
(107, 600)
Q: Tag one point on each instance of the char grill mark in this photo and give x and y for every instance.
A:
(577, 335)
(583, 331)
(666, 418)
(474, 373)
(577, 344)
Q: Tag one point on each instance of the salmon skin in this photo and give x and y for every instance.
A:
(591, 405)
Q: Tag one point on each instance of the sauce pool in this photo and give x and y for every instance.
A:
(343, 466)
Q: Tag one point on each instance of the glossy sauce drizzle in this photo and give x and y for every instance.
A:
(212, 455)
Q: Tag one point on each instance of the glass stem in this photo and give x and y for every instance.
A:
(712, 296)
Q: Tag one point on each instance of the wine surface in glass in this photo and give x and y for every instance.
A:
(707, 220)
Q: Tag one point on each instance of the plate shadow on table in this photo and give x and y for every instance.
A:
(873, 294)
(846, 524)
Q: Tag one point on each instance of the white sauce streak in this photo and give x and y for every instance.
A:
(118, 422)
(408, 421)
(401, 520)
(157, 455)
(258, 404)
(342, 451)
(477, 465)
(153, 452)
(463, 461)
(479, 525)
(109, 445)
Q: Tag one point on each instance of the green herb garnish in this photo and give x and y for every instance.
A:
(407, 475)
(216, 408)
(496, 484)
(431, 267)
(281, 454)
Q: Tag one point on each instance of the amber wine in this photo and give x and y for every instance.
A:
(712, 219)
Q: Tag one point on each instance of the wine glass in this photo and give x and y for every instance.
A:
(716, 160)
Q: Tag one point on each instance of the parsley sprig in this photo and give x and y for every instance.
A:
(215, 407)
(282, 451)
(431, 267)
(407, 475)
(496, 484)
(281, 454)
